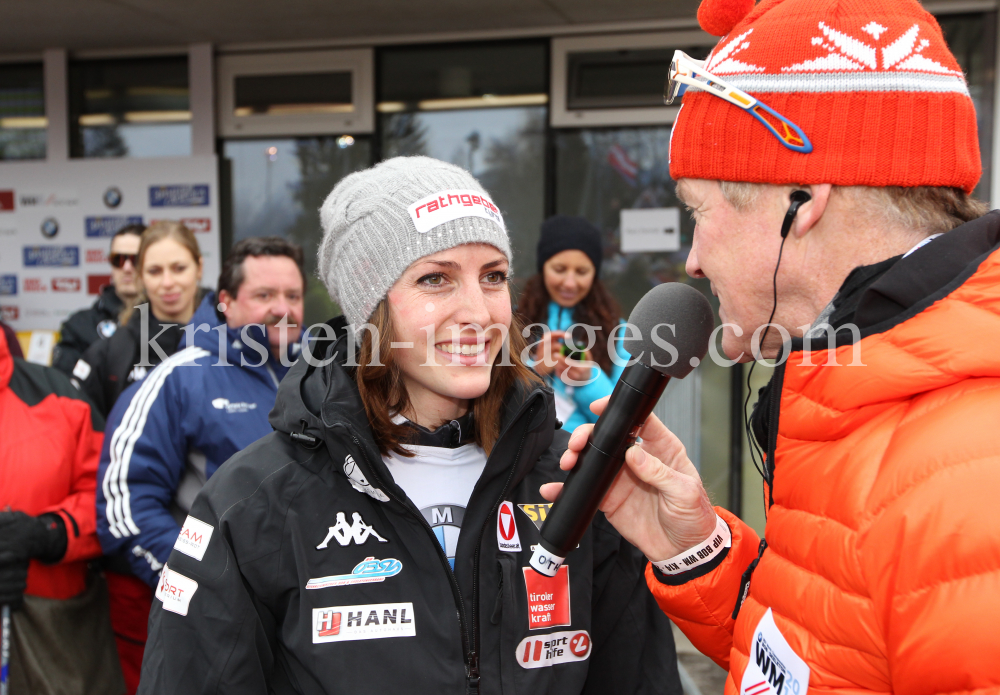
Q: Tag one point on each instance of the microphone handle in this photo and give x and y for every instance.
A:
(633, 399)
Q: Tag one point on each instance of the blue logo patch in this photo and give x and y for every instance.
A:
(8, 285)
(107, 225)
(180, 195)
(53, 256)
(368, 571)
(446, 522)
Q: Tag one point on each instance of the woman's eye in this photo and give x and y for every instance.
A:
(432, 280)
(496, 277)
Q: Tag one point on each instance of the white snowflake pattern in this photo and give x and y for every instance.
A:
(724, 61)
(844, 52)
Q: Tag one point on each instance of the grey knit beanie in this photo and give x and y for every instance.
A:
(377, 222)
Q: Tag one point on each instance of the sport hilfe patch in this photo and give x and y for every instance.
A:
(193, 538)
(774, 668)
(372, 621)
(175, 591)
(368, 571)
(548, 598)
(507, 536)
(445, 206)
(555, 648)
(536, 512)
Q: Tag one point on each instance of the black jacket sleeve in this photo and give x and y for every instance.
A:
(207, 631)
(94, 385)
(634, 649)
(76, 334)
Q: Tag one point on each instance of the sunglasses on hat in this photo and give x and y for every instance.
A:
(118, 260)
(687, 72)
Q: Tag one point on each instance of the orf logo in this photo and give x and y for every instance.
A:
(66, 284)
(507, 536)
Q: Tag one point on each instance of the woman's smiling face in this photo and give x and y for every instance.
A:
(450, 313)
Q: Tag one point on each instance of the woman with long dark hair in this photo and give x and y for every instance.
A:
(378, 540)
(578, 318)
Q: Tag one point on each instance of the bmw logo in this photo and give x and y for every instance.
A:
(50, 227)
(107, 328)
(112, 197)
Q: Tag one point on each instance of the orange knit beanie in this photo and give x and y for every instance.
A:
(871, 83)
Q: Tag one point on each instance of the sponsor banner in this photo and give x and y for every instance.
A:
(774, 668)
(198, 225)
(536, 512)
(548, 598)
(371, 621)
(96, 282)
(9, 313)
(106, 225)
(35, 285)
(175, 591)
(51, 256)
(66, 284)
(6, 201)
(97, 256)
(507, 536)
(368, 571)
(8, 285)
(48, 199)
(555, 648)
(178, 195)
(193, 538)
(445, 206)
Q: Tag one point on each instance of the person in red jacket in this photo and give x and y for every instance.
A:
(828, 151)
(50, 441)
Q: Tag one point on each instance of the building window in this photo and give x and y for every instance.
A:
(22, 112)
(136, 107)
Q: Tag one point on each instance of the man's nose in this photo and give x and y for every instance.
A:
(692, 266)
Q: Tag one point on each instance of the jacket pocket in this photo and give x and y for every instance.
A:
(505, 615)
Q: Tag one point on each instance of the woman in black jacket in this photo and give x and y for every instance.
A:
(169, 269)
(379, 539)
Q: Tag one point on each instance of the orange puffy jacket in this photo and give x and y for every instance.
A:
(882, 566)
(50, 443)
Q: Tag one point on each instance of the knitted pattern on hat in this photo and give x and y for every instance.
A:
(870, 82)
(377, 222)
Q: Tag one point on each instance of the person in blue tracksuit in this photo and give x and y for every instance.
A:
(564, 298)
(170, 432)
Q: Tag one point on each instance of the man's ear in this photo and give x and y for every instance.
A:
(811, 212)
(225, 299)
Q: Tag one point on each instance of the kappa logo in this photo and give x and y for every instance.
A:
(344, 534)
(536, 512)
(373, 621)
(359, 482)
(507, 536)
(555, 648)
(368, 571)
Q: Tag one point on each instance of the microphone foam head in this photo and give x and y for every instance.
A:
(669, 329)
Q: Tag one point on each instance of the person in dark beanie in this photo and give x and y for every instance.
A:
(564, 298)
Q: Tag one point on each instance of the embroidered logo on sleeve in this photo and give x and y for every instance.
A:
(82, 370)
(774, 669)
(507, 537)
(193, 538)
(175, 591)
(445, 206)
(556, 648)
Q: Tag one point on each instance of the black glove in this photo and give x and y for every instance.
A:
(23, 537)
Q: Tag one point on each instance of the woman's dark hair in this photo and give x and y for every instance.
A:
(598, 309)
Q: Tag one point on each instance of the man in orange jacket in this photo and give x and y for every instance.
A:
(827, 150)
(50, 441)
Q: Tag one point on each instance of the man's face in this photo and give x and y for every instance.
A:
(737, 251)
(271, 289)
(124, 278)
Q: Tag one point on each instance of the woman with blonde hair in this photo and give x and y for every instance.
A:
(169, 267)
(379, 539)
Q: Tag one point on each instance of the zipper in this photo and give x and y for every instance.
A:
(472, 656)
(777, 383)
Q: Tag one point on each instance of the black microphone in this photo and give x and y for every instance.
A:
(667, 336)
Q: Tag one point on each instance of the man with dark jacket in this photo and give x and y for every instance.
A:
(170, 432)
(87, 326)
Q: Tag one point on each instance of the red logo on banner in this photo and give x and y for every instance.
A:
(9, 313)
(66, 284)
(96, 282)
(96, 256)
(198, 225)
(6, 201)
(34, 285)
(548, 598)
